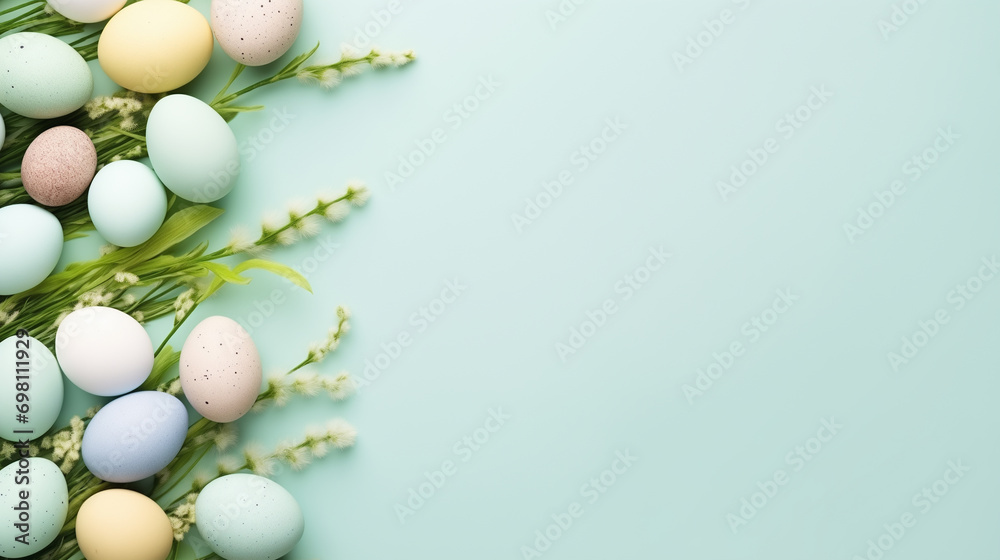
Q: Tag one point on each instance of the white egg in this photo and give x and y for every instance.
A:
(104, 351)
(3, 133)
(87, 11)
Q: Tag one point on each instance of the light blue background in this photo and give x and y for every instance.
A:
(495, 347)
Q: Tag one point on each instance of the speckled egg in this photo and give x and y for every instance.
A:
(32, 244)
(44, 388)
(248, 517)
(104, 351)
(58, 165)
(192, 149)
(134, 436)
(121, 524)
(127, 203)
(155, 46)
(43, 77)
(253, 32)
(87, 11)
(36, 488)
(220, 369)
(3, 133)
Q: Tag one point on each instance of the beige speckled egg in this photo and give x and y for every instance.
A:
(220, 369)
(256, 32)
(58, 166)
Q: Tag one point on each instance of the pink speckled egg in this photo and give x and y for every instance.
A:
(256, 32)
(58, 166)
(220, 369)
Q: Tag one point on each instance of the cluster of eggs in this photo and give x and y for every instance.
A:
(106, 352)
(150, 46)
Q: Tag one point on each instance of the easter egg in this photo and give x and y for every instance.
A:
(43, 77)
(3, 133)
(248, 517)
(127, 203)
(87, 11)
(154, 46)
(220, 369)
(34, 501)
(32, 243)
(58, 165)
(256, 33)
(192, 149)
(104, 351)
(42, 383)
(134, 436)
(121, 524)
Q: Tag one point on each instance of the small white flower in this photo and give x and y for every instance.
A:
(309, 226)
(225, 437)
(273, 221)
(298, 207)
(348, 51)
(139, 316)
(287, 237)
(108, 249)
(306, 383)
(330, 78)
(128, 300)
(337, 211)
(340, 434)
(239, 240)
(358, 194)
(127, 278)
(228, 465)
(344, 312)
(349, 70)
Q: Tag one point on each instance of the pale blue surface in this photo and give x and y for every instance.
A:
(495, 346)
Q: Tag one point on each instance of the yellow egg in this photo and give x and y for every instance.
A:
(123, 525)
(154, 46)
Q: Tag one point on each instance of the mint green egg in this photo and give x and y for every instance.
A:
(127, 203)
(192, 149)
(34, 501)
(43, 77)
(42, 384)
(248, 517)
(32, 242)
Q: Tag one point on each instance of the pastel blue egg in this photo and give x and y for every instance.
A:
(43, 387)
(192, 149)
(32, 243)
(134, 436)
(127, 203)
(248, 517)
(43, 76)
(35, 488)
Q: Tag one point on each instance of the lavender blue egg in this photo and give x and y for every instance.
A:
(248, 517)
(46, 506)
(134, 436)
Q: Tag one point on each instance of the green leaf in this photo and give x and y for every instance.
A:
(176, 229)
(225, 274)
(286, 272)
(162, 363)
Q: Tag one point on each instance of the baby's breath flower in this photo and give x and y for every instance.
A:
(183, 516)
(184, 304)
(126, 278)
